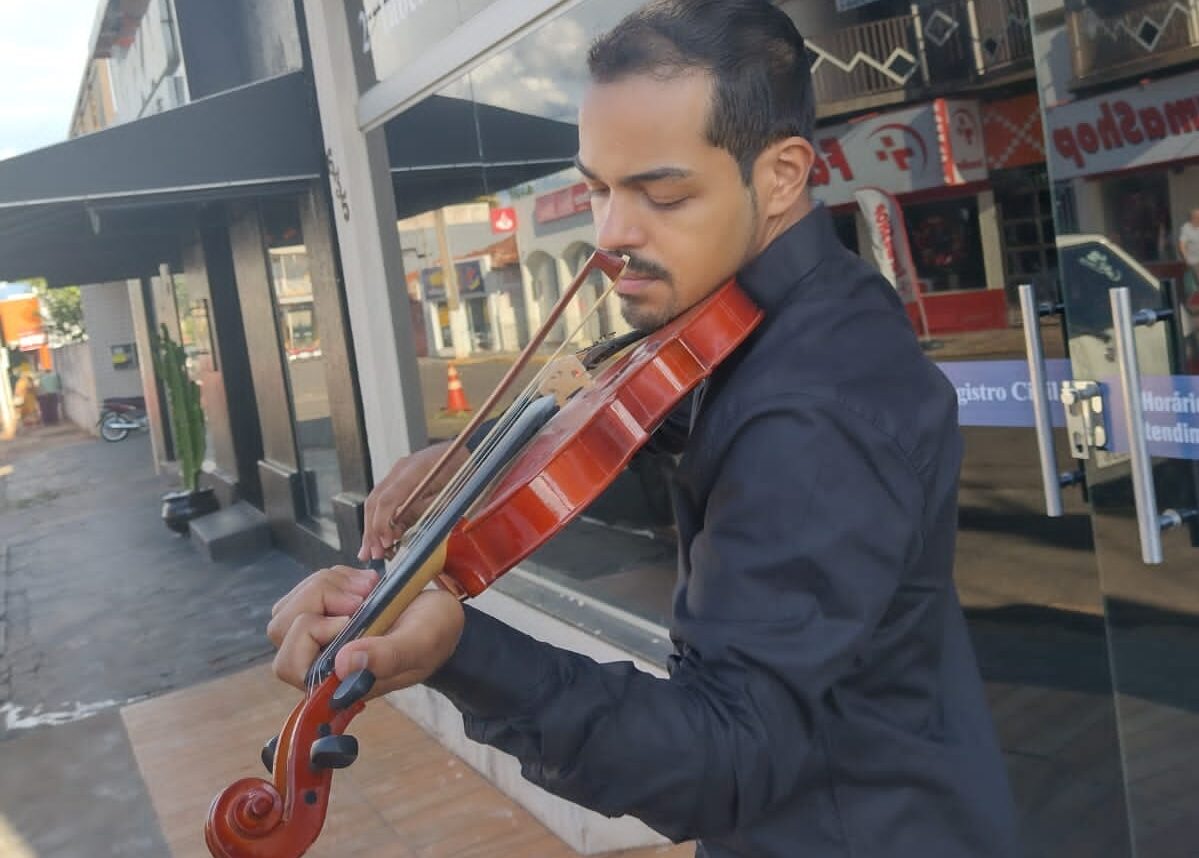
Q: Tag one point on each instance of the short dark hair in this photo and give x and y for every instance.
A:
(762, 82)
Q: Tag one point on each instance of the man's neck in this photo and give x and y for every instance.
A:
(779, 225)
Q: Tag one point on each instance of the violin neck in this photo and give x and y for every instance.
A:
(411, 569)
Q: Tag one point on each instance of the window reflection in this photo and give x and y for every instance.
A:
(1137, 210)
(304, 362)
(495, 224)
(946, 245)
(1118, 84)
(1004, 146)
(195, 337)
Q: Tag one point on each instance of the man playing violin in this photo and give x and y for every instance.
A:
(823, 697)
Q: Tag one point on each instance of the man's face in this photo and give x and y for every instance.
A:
(1194, 217)
(662, 194)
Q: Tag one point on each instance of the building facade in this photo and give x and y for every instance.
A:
(191, 201)
(402, 202)
(952, 108)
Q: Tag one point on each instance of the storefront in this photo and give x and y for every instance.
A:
(225, 239)
(1124, 163)
(931, 157)
(1086, 644)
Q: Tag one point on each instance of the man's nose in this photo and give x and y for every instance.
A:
(617, 225)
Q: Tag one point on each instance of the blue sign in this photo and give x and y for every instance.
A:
(1171, 408)
(470, 280)
(998, 393)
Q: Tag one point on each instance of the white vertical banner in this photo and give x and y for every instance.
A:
(889, 239)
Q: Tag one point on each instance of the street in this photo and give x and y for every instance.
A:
(135, 682)
(100, 606)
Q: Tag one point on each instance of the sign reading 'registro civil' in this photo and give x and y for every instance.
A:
(1131, 127)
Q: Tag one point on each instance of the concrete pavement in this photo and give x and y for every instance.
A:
(100, 605)
(103, 611)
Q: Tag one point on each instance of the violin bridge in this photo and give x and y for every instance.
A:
(563, 378)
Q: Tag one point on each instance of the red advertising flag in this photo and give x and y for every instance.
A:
(889, 238)
(503, 220)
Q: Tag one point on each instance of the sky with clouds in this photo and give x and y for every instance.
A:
(43, 45)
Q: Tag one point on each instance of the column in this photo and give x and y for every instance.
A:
(376, 292)
(992, 241)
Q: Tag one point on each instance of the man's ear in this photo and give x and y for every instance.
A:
(781, 174)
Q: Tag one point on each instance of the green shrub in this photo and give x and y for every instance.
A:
(183, 403)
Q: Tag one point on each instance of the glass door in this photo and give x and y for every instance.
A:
(1117, 83)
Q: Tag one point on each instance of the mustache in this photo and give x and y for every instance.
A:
(644, 268)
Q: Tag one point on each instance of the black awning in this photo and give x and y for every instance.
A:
(451, 150)
(108, 205)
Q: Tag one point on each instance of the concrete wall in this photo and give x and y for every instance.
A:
(86, 370)
(109, 322)
(271, 38)
(146, 75)
(1051, 51)
(73, 364)
(229, 43)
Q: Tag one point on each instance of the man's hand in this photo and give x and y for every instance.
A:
(378, 531)
(311, 615)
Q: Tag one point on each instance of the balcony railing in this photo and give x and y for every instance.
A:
(1132, 41)
(938, 47)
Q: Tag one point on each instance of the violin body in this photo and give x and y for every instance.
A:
(556, 474)
(590, 441)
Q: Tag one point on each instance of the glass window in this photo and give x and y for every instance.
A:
(946, 246)
(195, 337)
(495, 223)
(299, 339)
(388, 34)
(1138, 215)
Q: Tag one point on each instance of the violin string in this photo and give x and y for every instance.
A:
(429, 516)
(471, 466)
(495, 435)
(513, 413)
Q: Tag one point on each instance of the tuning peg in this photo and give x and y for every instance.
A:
(333, 752)
(268, 754)
(352, 689)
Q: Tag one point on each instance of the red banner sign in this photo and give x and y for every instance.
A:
(1133, 127)
(562, 203)
(503, 220)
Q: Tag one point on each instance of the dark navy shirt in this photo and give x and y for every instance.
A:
(823, 698)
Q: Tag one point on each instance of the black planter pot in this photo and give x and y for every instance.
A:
(178, 508)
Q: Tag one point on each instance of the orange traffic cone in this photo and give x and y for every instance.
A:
(455, 399)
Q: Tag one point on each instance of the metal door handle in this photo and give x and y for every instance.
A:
(1040, 402)
(1149, 523)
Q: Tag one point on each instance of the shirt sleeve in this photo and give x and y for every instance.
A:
(810, 522)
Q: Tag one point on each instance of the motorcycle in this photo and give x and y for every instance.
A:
(120, 415)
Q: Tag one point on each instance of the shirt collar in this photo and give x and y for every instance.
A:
(789, 259)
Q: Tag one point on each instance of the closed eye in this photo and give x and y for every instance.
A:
(667, 204)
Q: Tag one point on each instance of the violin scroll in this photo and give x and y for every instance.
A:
(255, 818)
(247, 814)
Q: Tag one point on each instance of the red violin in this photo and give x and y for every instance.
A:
(555, 449)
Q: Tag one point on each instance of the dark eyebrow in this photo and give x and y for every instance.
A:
(654, 175)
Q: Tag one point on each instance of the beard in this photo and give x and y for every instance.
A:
(643, 315)
(638, 310)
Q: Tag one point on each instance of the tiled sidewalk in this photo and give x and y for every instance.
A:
(405, 797)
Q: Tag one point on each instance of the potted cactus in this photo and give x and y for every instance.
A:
(187, 430)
